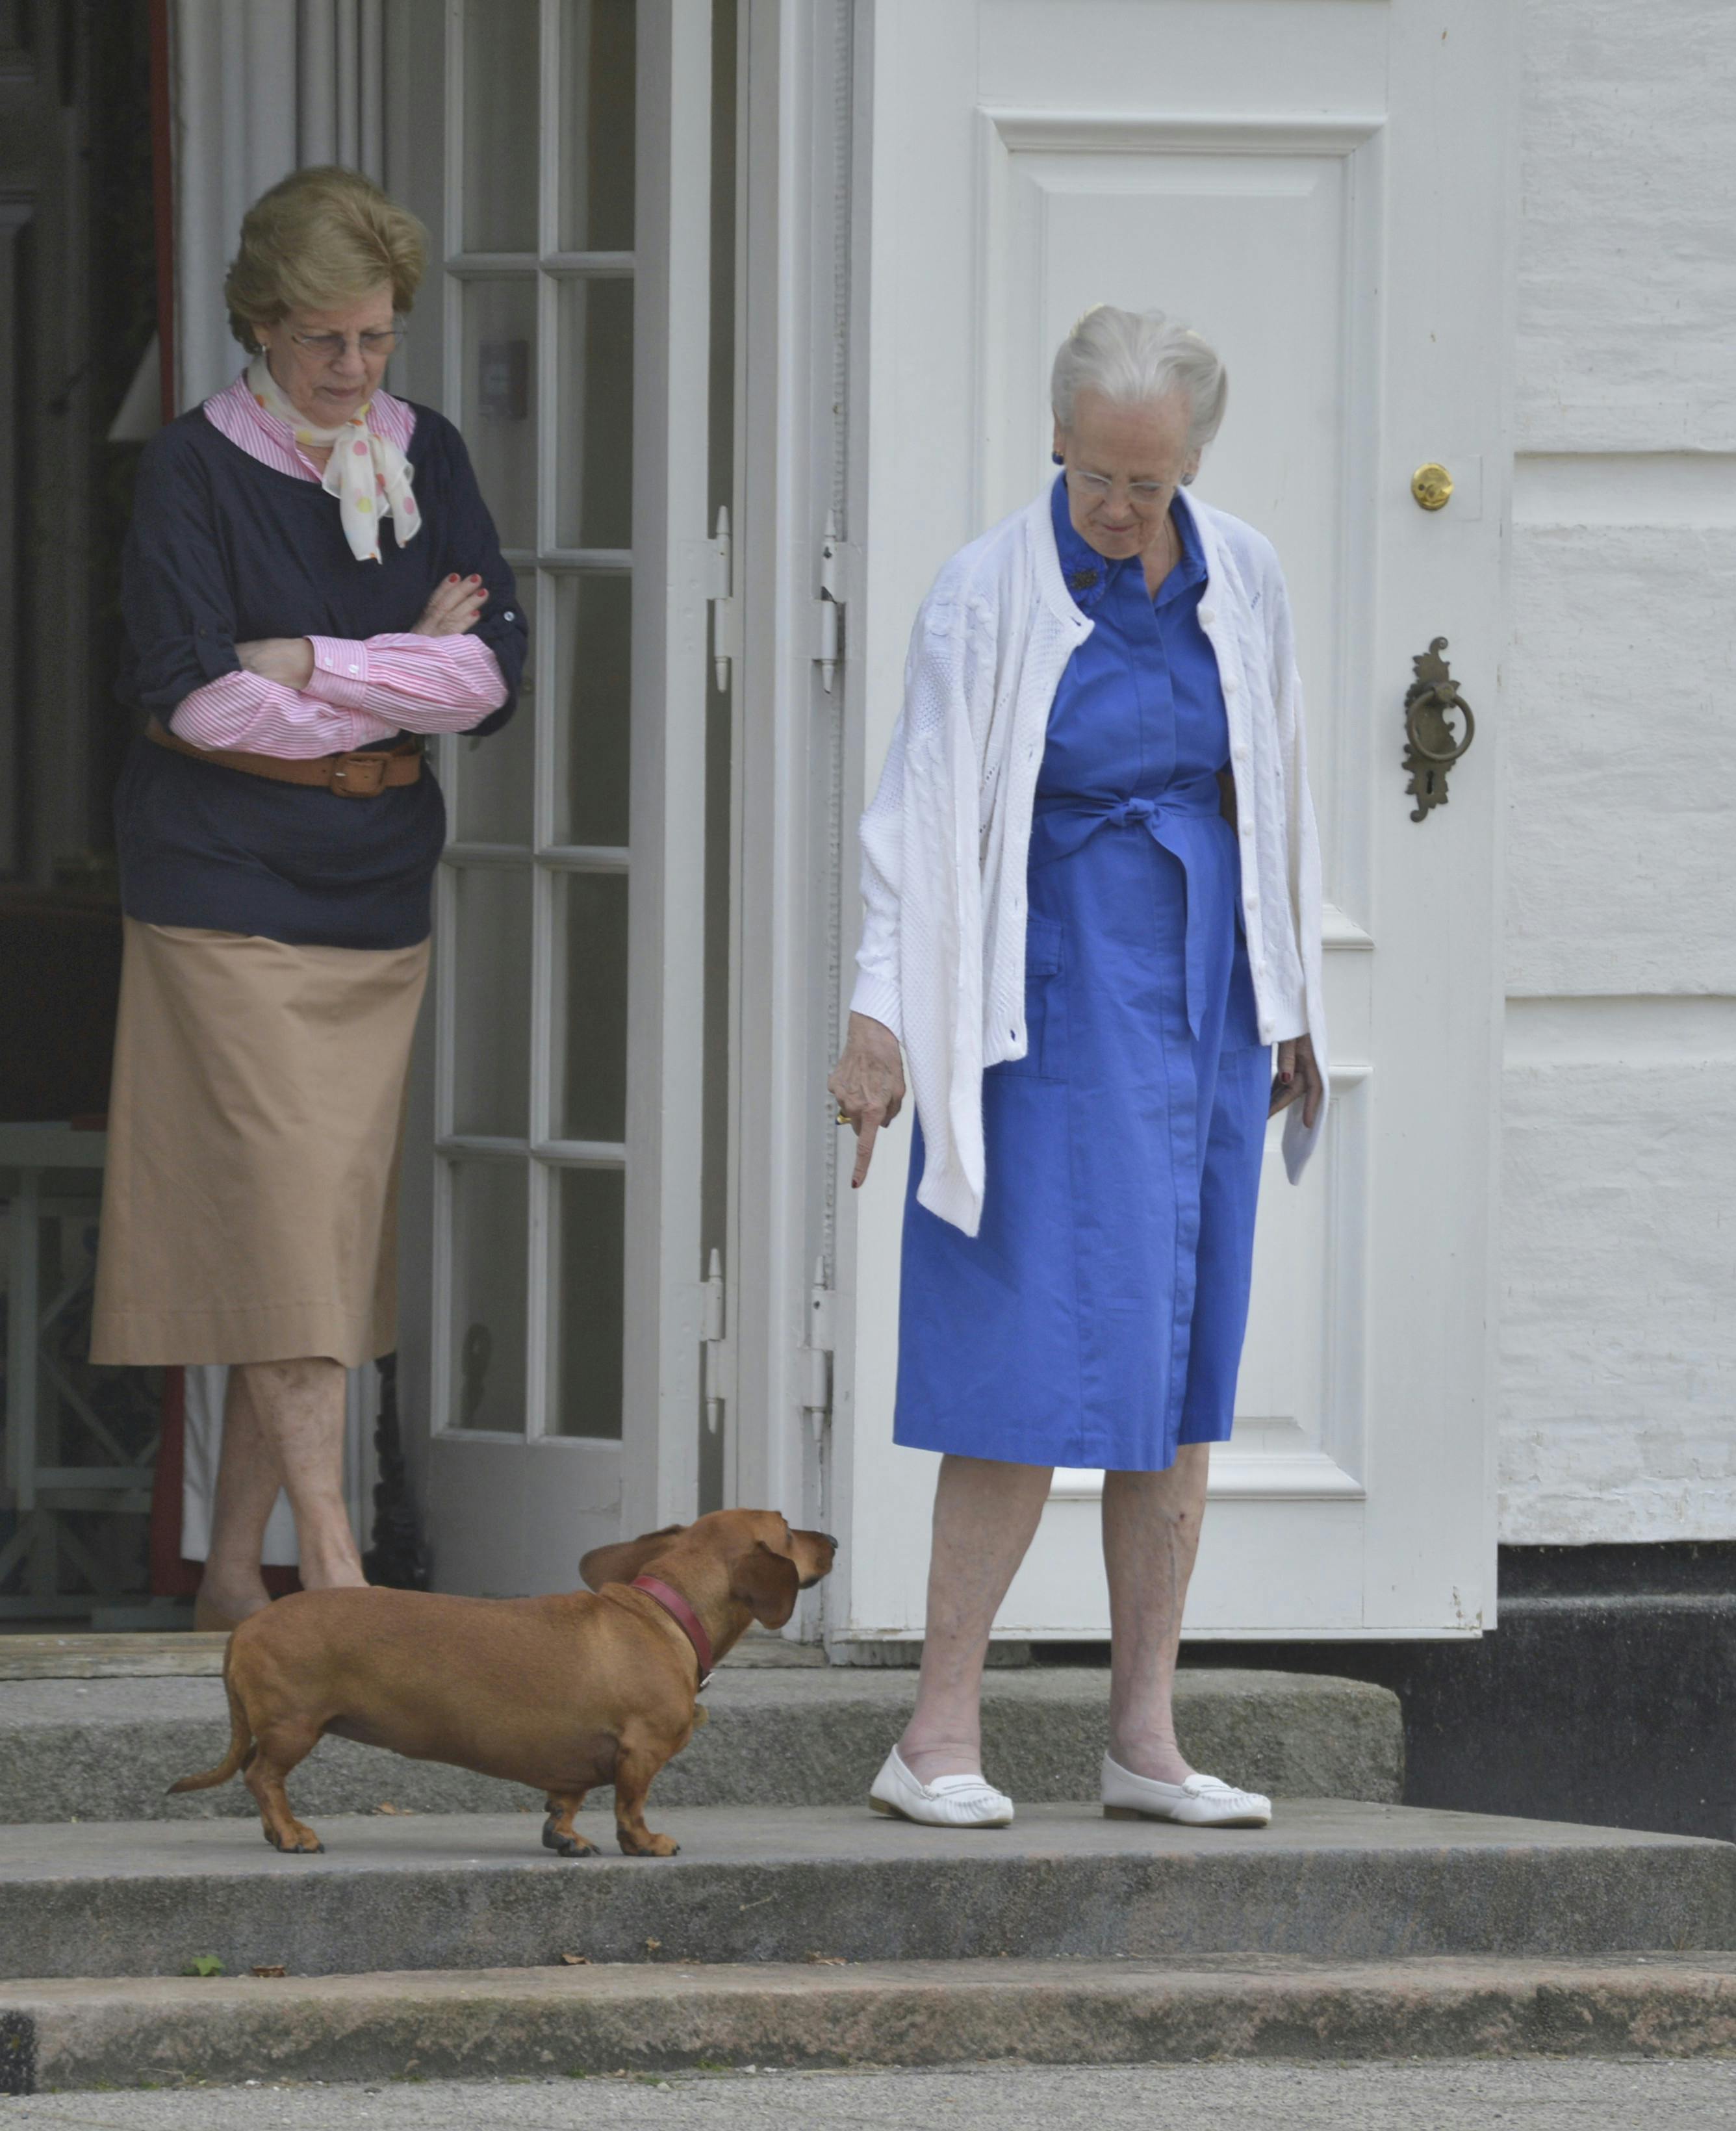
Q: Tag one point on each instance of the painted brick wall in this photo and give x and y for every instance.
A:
(1616, 1364)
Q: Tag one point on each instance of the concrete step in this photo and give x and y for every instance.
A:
(108, 1749)
(499, 2024)
(1330, 1879)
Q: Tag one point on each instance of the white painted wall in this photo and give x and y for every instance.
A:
(1617, 1370)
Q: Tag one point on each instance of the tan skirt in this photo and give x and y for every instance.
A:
(255, 1126)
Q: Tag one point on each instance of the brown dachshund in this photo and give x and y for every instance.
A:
(562, 1693)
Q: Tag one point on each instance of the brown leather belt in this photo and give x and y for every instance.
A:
(358, 776)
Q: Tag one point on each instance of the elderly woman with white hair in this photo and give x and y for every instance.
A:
(1092, 886)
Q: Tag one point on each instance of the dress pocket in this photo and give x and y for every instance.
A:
(1044, 1015)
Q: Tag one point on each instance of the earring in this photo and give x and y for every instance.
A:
(1057, 459)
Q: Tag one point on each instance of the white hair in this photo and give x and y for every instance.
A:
(1133, 357)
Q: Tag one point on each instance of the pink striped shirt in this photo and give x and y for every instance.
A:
(362, 691)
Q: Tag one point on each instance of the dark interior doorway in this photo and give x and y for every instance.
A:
(78, 324)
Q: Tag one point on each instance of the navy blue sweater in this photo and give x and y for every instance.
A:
(221, 550)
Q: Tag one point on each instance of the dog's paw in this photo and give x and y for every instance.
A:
(299, 1841)
(568, 1845)
(650, 1845)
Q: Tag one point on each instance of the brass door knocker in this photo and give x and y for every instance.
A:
(1431, 747)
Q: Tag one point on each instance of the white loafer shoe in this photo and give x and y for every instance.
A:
(948, 1802)
(1200, 1802)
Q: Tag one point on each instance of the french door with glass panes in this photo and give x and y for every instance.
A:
(556, 1294)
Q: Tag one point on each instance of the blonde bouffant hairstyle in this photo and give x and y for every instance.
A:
(318, 239)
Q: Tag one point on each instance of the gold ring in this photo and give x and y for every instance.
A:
(845, 1118)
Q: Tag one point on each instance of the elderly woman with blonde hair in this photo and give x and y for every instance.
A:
(1093, 909)
(312, 584)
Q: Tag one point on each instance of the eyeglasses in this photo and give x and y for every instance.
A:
(330, 347)
(1142, 494)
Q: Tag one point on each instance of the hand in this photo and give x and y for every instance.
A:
(288, 659)
(452, 606)
(868, 1084)
(1298, 1079)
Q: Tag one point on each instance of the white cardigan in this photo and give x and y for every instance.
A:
(945, 842)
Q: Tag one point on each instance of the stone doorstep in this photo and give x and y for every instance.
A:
(108, 1748)
(1330, 1879)
(493, 2023)
(181, 1653)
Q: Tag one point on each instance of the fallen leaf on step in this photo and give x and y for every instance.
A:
(400, 1812)
(653, 1945)
(269, 1968)
(576, 1960)
(829, 1960)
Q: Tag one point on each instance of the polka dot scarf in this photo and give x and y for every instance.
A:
(368, 473)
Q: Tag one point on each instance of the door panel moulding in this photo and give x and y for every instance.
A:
(1141, 133)
(1034, 167)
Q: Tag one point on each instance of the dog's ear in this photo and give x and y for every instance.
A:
(626, 1559)
(768, 1582)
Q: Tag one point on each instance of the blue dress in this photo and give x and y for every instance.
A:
(1096, 1319)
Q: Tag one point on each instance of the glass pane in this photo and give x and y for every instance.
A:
(588, 1275)
(500, 401)
(591, 1018)
(502, 67)
(490, 1235)
(492, 1067)
(597, 126)
(594, 502)
(494, 779)
(593, 629)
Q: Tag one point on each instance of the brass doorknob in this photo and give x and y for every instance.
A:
(1432, 486)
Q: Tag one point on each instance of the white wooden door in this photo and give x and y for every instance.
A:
(560, 1311)
(1323, 188)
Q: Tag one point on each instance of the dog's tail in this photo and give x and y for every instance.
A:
(241, 1744)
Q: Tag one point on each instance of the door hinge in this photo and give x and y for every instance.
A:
(837, 562)
(720, 589)
(713, 1333)
(817, 1353)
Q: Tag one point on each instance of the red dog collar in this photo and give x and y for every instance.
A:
(684, 1617)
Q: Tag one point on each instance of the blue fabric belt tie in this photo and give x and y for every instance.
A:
(1175, 820)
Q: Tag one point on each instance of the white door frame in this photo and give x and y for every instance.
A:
(791, 807)
(665, 934)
